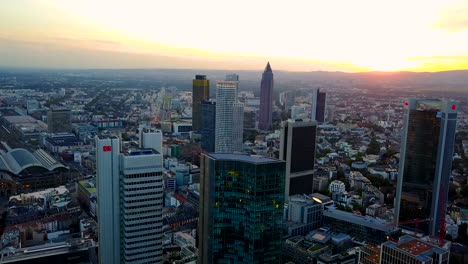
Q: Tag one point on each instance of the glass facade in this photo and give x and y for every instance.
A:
(420, 164)
(242, 210)
(426, 161)
(321, 103)
(200, 92)
(208, 126)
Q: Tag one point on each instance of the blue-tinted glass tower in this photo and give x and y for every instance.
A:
(241, 209)
(208, 120)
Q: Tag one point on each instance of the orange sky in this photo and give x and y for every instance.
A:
(359, 35)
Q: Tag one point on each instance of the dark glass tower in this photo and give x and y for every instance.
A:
(298, 150)
(241, 209)
(208, 126)
(200, 93)
(318, 105)
(266, 99)
(425, 161)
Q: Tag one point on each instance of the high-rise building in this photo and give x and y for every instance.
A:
(150, 138)
(59, 120)
(410, 250)
(200, 93)
(232, 78)
(241, 209)
(108, 183)
(229, 118)
(208, 125)
(318, 105)
(266, 99)
(298, 150)
(425, 161)
(130, 197)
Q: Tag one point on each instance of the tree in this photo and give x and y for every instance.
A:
(374, 147)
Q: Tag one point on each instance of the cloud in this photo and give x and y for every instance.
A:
(454, 17)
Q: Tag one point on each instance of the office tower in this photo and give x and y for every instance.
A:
(319, 102)
(150, 138)
(130, 195)
(200, 93)
(232, 77)
(229, 118)
(425, 161)
(108, 183)
(241, 209)
(410, 250)
(208, 125)
(249, 119)
(266, 99)
(59, 120)
(298, 150)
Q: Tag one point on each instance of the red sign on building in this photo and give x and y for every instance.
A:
(106, 148)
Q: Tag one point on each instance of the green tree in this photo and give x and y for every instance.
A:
(374, 147)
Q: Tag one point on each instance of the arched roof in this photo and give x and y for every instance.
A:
(17, 160)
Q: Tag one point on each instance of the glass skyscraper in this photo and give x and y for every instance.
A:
(241, 209)
(318, 105)
(208, 126)
(266, 99)
(425, 161)
(200, 93)
(297, 148)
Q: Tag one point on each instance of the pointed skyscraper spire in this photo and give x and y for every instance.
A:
(268, 68)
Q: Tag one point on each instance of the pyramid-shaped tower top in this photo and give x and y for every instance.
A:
(268, 68)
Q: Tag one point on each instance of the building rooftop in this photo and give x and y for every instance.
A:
(16, 160)
(255, 159)
(419, 249)
(375, 223)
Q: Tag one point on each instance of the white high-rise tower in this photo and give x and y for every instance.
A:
(229, 118)
(130, 196)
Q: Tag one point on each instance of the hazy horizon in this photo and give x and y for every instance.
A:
(301, 36)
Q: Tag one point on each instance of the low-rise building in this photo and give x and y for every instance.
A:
(362, 228)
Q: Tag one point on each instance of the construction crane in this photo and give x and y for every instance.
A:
(415, 221)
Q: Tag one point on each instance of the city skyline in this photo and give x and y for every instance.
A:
(85, 34)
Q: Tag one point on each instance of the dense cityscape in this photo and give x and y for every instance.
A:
(121, 169)
(234, 132)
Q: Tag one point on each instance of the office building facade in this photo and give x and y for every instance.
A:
(59, 120)
(266, 99)
(108, 183)
(426, 153)
(229, 118)
(298, 150)
(208, 126)
(200, 93)
(318, 105)
(130, 197)
(241, 209)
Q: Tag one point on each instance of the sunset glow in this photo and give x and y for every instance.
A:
(295, 35)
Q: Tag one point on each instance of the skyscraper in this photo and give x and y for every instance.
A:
(200, 93)
(150, 138)
(130, 194)
(229, 118)
(298, 150)
(425, 160)
(108, 184)
(318, 105)
(208, 125)
(266, 99)
(241, 209)
(59, 120)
